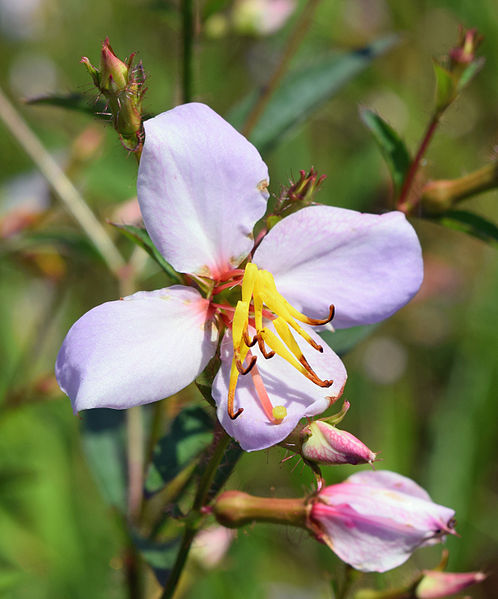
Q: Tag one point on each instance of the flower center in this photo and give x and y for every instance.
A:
(259, 290)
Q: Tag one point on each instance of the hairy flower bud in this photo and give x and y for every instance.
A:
(435, 584)
(375, 520)
(113, 71)
(326, 444)
(122, 86)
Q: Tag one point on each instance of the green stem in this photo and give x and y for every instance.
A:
(220, 444)
(290, 49)
(439, 196)
(187, 49)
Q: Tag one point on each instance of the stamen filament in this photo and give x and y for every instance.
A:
(274, 414)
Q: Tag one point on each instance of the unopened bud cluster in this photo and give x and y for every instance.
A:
(122, 85)
(296, 195)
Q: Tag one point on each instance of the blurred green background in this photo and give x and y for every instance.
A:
(422, 386)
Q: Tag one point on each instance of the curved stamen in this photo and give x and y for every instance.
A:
(248, 368)
(317, 322)
(262, 348)
(237, 413)
(247, 340)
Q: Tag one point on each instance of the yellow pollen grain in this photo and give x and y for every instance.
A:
(279, 413)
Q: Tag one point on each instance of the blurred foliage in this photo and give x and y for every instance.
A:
(422, 385)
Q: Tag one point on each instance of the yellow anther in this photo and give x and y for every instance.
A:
(274, 343)
(279, 305)
(284, 333)
(258, 288)
(250, 275)
(279, 413)
(239, 323)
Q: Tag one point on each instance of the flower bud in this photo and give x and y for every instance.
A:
(326, 444)
(375, 520)
(122, 86)
(464, 52)
(113, 71)
(435, 584)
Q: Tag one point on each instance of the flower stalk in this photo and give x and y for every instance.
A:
(440, 196)
(234, 509)
(194, 521)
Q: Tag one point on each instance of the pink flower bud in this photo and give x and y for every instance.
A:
(437, 584)
(375, 520)
(113, 71)
(326, 444)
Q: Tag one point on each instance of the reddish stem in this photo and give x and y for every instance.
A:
(404, 203)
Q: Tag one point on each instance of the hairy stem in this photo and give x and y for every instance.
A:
(290, 49)
(60, 183)
(220, 444)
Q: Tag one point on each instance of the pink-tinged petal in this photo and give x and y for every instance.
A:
(435, 584)
(367, 265)
(368, 546)
(389, 480)
(285, 387)
(375, 527)
(137, 350)
(201, 188)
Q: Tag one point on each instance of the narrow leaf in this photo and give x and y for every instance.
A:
(470, 72)
(232, 455)
(72, 101)
(304, 90)
(159, 556)
(104, 442)
(391, 145)
(190, 434)
(470, 223)
(446, 86)
(141, 238)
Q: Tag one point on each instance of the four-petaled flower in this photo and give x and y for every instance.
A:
(202, 187)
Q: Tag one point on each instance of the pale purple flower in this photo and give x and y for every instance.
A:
(202, 187)
(435, 584)
(375, 520)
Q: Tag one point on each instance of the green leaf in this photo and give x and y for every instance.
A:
(159, 556)
(470, 223)
(392, 147)
(67, 242)
(232, 455)
(446, 87)
(73, 101)
(303, 91)
(470, 72)
(344, 340)
(191, 432)
(205, 380)
(142, 239)
(104, 442)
